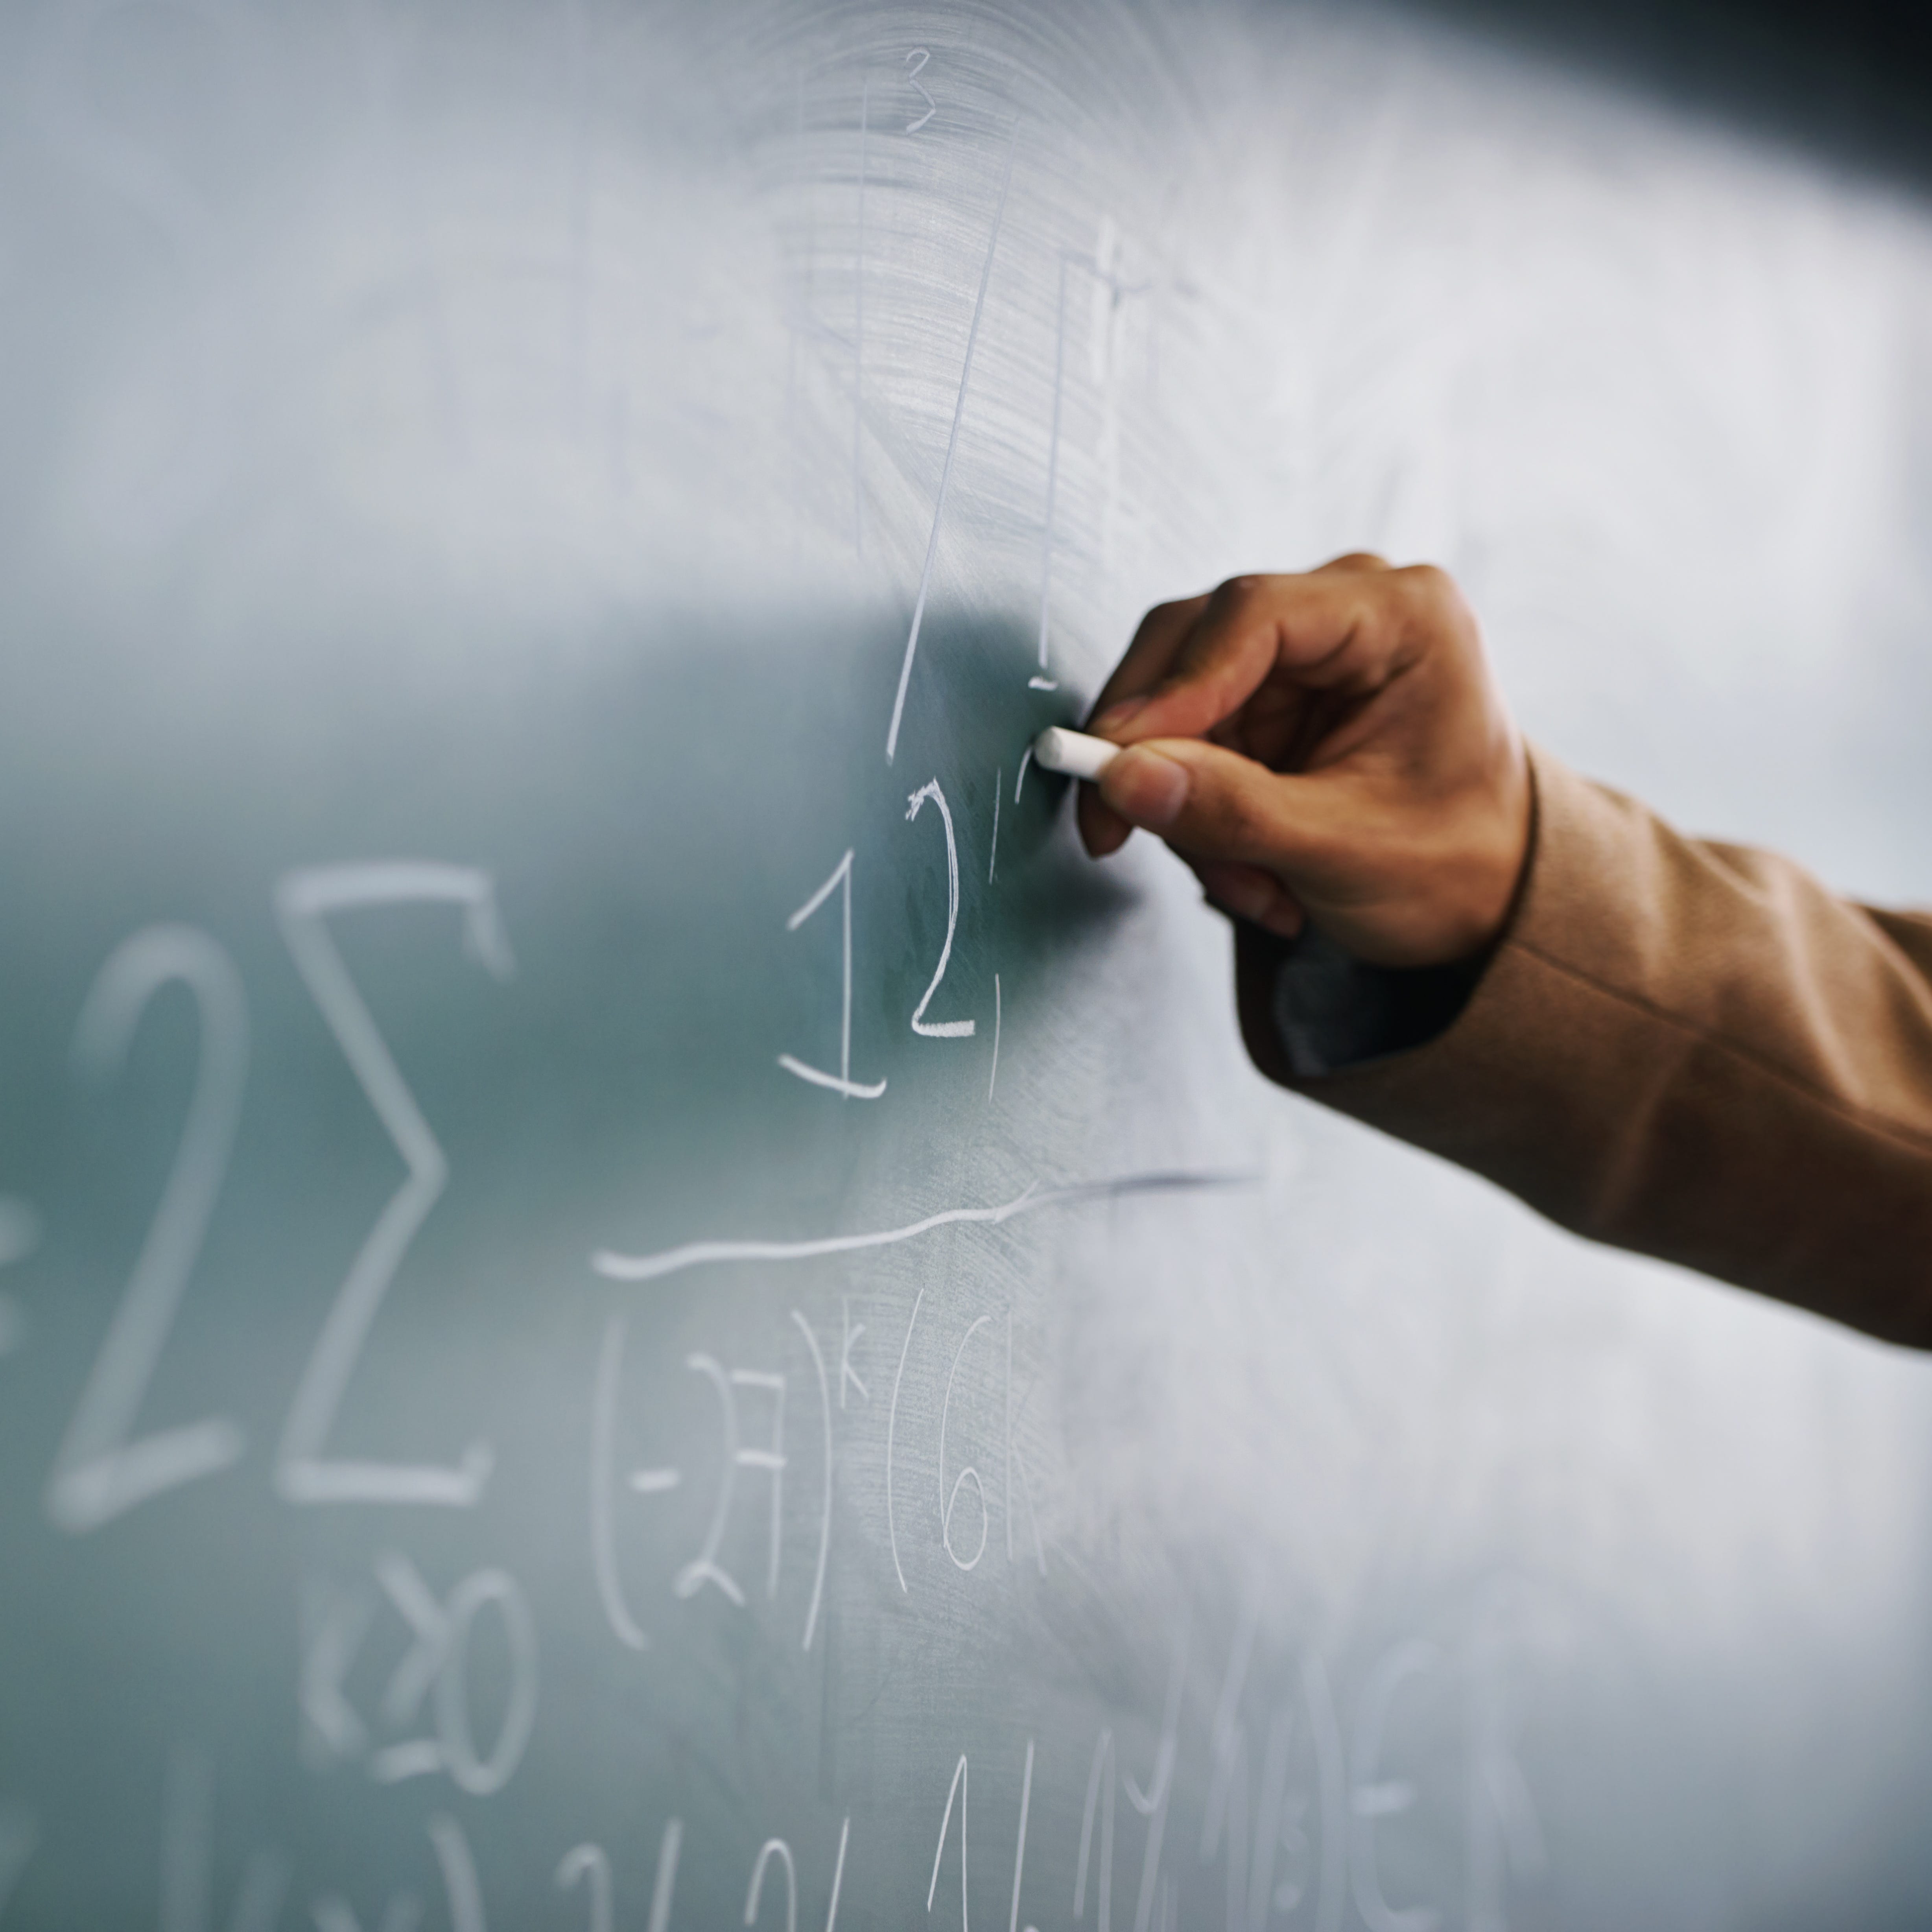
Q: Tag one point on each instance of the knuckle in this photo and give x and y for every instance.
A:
(1359, 559)
(1432, 603)
(1428, 587)
(1240, 590)
(1162, 618)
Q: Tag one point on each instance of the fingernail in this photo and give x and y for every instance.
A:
(1145, 787)
(1115, 716)
(1103, 832)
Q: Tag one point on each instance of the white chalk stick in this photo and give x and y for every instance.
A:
(1076, 753)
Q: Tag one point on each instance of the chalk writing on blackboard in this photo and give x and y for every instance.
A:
(99, 1473)
(952, 447)
(303, 901)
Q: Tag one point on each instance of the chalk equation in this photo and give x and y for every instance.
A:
(1290, 1833)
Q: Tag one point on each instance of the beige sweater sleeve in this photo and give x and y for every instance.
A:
(1689, 1049)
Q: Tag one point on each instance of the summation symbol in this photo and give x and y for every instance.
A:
(304, 902)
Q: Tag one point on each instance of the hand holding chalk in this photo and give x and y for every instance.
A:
(1329, 747)
(1076, 753)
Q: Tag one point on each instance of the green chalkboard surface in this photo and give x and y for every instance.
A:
(630, 1295)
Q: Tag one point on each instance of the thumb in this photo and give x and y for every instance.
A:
(1211, 803)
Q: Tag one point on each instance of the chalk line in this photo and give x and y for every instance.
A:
(952, 445)
(614, 1267)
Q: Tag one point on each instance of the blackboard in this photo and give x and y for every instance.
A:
(632, 1297)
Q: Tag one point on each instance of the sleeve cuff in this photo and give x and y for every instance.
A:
(1324, 1012)
(1331, 1010)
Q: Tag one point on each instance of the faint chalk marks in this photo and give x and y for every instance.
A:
(916, 64)
(385, 39)
(188, 1805)
(858, 336)
(1041, 682)
(264, 1887)
(462, 1889)
(1228, 1737)
(20, 1236)
(664, 1886)
(187, 1901)
(952, 447)
(590, 1865)
(20, 1230)
(1109, 290)
(578, 119)
(20, 1834)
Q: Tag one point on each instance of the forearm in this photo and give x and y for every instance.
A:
(1688, 1050)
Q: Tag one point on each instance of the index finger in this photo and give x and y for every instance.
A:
(1148, 658)
(1329, 628)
